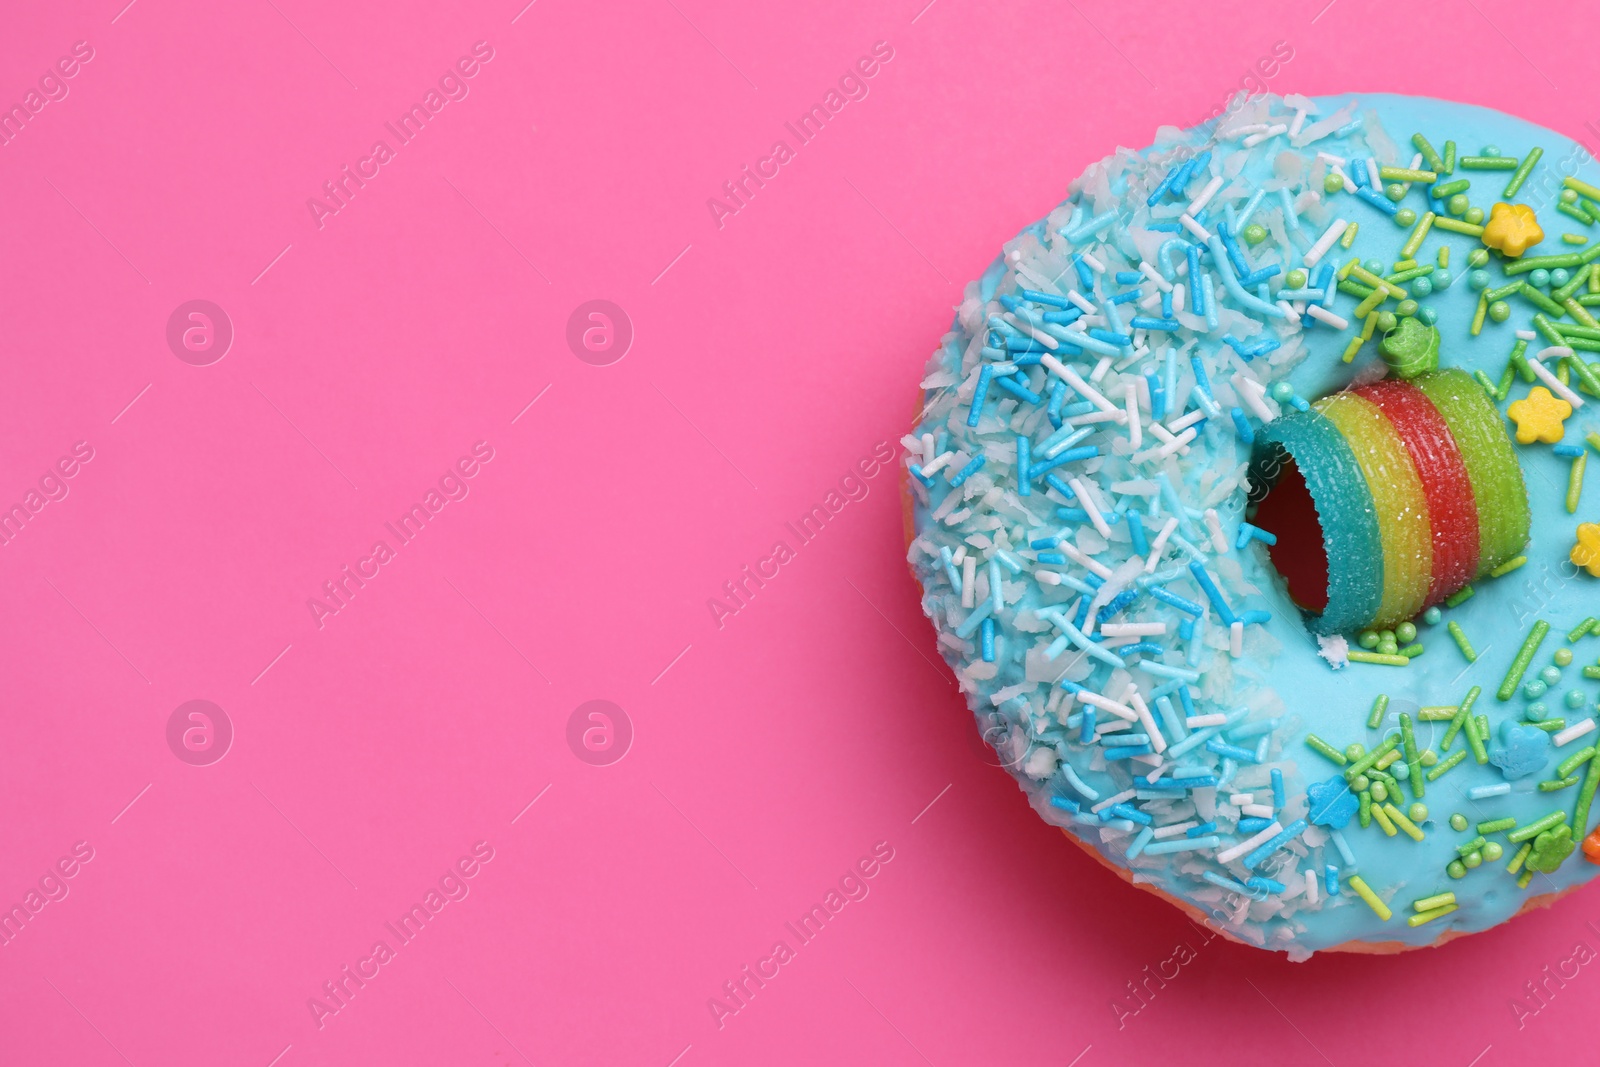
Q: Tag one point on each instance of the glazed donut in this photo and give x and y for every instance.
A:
(1245, 503)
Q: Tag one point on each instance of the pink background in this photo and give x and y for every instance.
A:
(769, 357)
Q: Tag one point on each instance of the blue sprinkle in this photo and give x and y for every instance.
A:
(1181, 603)
(1128, 811)
(1124, 297)
(986, 640)
(1085, 275)
(1024, 484)
(1241, 426)
(1253, 825)
(1233, 752)
(1065, 804)
(1568, 451)
(970, 624)
(973, 466)
(1139, 842)
(1021, 392)
(1056, 558)
(1481, 792)
(1158, 395)
(1144, 648)
(1141, 544)
(1047, 299)
(1185, 626)
(1111, 337)
(1145, 322)
(1201, 830)
(1071, 455)
(1256, 617)
(1129, 277)
(979, 392)
(1128, 752)
(1211, 591)
(1086, 728)
(1072, 514)
(950, 569)
(1330, 879)
(1182, 845)
(1379, 201)
(1164, 226)
(1063, 318)
(1267, 884)
(1225, 882)
(1277, 788)
(916, 472)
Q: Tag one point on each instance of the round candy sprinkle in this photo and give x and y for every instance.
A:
(1360, 784)
(1368, 639)
(1418, 812)
(1563, 657)
(1493, 851)
(1255, 233)
(1388, 647)
(1534, 688)
(1551, 675)
(1575, 699)
(1458, 822)
(1478, 257)
(1422, 286)
(1490, 150)
(1473, 217)
(1458, 204)
(1432, 616)
(1428, 759)
(1397, 192)
(1405, 633)
(1386, 321)
(1405, 217)
(1282, 392)
(1354, 751)
(1536, 711)
(1569, 196)
(1332, 183)
(1539, 278)
(1442, 278)
(1402, 770)
(1375, 266)
(1472, 859)
(1478, 279)
(1406, 309)
(1456, 869)
(1560, 277)
(1499, 311)
(1295, 279)
(1380, 792)
(1428, 315)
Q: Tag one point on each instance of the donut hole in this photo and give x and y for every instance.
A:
(1300, 556)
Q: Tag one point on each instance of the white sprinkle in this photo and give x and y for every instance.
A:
(1228, 855)
(1239, 800)
(1070, 550)
(1527, 335)
(1292, 311)
(969, 582)
(1177, 829)
(1047, 577)
(1322, 314)
(1135, 429)
(1330, 159)
(1253, 393)
(1214, 524)
(1197, 722)
(1154, 275)
(1325, 242)
(1194, 227)
(1299, 121)
(1126, 794)
(1158, 544)
(1573, 732)
(1100, 369)
(1181, 440)
(1311, 885)
(929, 447)
(939, 463)
(1043, 338)
(1180, 425)
(1258, 811)
(1097, 266)
(1199, 203)
(1122, 711)
(958, 555)
(1157, 742)
(1245, 130)
(1082, 303)
(1083, 388)
(1536, 364)
(1134, 629)
(1089, 505)
(1178, 297)
(1236, 639)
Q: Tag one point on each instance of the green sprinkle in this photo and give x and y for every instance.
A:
(1539, 300)
(1478, 315)
(1461, 596)
(1570, 764)
(1437, 901)
(1398, 817)
(1449, 157)
(1582, 188)
(1460, 717)
(1508, 566)
(1322, 748)
(1368, 761)
(1475, 732)
(1585, 374)
(1460, 638)
(1457, 226)
(1365, 893)
(1575, 213)
(1412, 651)
(1527, 263)
(1494, 826)
(1519, 666)
(1552, 786)
(1445, 765)
(1349, 237)
(1575, 482)
(1503, 388)
(1423, 917)
(1582, 629)
(1381, 813)
(1516, 861)
(1449, 189)
(1356, 655)
(1409, 273)
(1472, 846)
(1537, 827)
(1551, 726)
(1427, 151)
(1406, 174)
(1378, 283)
(1522, 173)
(1379, 706)
(1408, 739)
(1580, 818)
(1574, 239)
(1365, 814)
(1488, 163)
(1591, 672)
(1418, 232)
(1436, 713)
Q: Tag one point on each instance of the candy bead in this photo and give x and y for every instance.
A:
(1432, 616)
(1458, 822)
(1550, 675)
(1563, 657)
(1405, 217)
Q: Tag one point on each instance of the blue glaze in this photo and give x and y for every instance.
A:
(1280, 674)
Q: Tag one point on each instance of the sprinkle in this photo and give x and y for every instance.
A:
(1584, 627)
(1519, 666)
(1573, 732)
(1356, 655)
(1508, 566)
(1361, 765)
(1460, 638)
(1461, 596)
(1277, 787)
(1428, 916)
(1325, 242)
(1522, 172)
(1211, 591)
(1228, 855)
(1405, 824)
(1418, 232)
(1379, 707)
(1294, 830)
(973, 466)
(1575, 482)
(1555, 384)
(1366, 894)
(1534, 829)
(1338, 323)
(1383, 819)
(1182, 845)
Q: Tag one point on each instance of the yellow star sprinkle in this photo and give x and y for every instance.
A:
(1512, 229)
(1586, 553)
(1540, 417)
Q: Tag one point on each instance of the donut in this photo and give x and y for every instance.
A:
(1246, 500)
